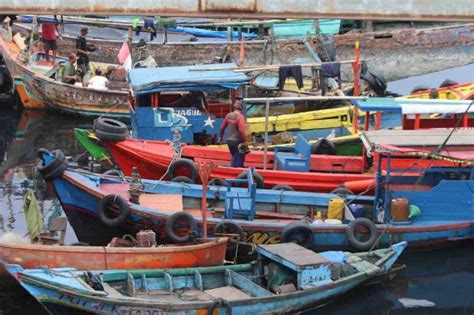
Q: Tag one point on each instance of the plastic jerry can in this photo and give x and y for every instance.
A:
(336, 209)
(399, 209)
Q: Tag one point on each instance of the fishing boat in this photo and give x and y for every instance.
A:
(39, 86)
(440, 199)
(210, 252)
(449, 90)
(286, 278)
(175, 97)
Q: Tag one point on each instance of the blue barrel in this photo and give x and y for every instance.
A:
(357, 210)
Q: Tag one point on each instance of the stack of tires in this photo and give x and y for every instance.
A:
(110, 129)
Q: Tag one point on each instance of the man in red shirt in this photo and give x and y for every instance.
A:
(234, 126)
(48, 38)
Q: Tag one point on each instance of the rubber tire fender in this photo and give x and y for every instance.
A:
(50, 167)
(183, 163)
(256, 177)
(182, 179)
(111, 126)
(179, 216)
(351, 230)
(218, 182)
(283, 187)
(301, 227)
(57, 172)
(122, 207)
(229, 227)
(323, 146)
(112, 137)
(448, 82)
(419, 88)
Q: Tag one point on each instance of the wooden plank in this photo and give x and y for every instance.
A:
(247, 284)
(228, 293)
(111, 291)
(291, 253)
(166, 202)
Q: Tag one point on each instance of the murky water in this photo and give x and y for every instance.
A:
(439, 281)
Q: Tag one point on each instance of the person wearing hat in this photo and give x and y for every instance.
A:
(82, 51)
(234, 128)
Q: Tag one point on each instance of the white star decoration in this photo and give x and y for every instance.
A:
(209, 122)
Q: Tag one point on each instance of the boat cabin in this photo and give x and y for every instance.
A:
(169, 99)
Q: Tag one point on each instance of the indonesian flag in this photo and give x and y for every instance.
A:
(124, 56)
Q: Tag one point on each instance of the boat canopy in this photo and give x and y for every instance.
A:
(414, 106)
(190, 78)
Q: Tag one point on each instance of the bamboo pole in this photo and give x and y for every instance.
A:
(265, 139)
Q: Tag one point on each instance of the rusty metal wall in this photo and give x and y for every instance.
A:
(432, 10)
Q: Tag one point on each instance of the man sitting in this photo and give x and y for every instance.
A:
(98, 81)
(70, 74)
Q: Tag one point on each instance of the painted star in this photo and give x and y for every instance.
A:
(209, 122)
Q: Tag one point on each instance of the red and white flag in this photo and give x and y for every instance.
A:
(124, 56)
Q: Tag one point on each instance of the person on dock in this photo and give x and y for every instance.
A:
(48, 38)
(83, 51)
(69, 73)
(234, 126)
(98, 81)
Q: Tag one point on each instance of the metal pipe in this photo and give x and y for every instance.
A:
(265, 139)
(304, 98)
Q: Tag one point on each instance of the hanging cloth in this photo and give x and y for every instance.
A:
(329, 70)
(290, 71)
(150, 25)
(32, 214)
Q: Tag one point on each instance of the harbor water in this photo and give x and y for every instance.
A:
(435, 281)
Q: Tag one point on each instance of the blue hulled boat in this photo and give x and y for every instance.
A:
(442, 198)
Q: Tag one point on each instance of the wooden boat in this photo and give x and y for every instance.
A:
(277, 212)
(238, 289)
(37, 86)
(407, 46)
(203, 253)
(463, 91)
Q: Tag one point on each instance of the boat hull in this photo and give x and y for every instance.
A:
(80, 199)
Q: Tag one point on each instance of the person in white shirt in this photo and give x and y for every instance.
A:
(98, 81)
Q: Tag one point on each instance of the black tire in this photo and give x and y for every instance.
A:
(218, 182)
(299, 232)
(111, 126)
(323, 146)
(342, 192)
(283, 187)
(104, 207)
(229, 227)
(182, 179)
(420, 88)
(57, 172)
(113, 172)
(184, 163)
(54, 164)
(448, 82)
(256, 177)
(170, 227)
(351, 234)
(107, 136)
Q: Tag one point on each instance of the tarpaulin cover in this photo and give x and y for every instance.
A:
(455, 155)
(414, 106)
(189, 78)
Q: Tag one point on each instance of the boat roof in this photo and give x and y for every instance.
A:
(422, 142)
(414, 106)
(189, 78)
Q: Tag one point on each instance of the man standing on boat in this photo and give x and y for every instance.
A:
(82, 51)
(234, 126)
(48, 37)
